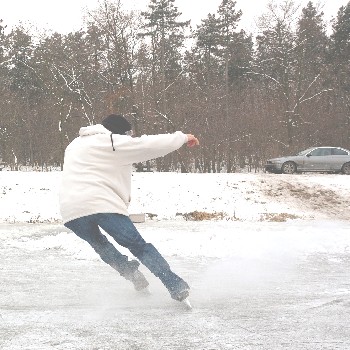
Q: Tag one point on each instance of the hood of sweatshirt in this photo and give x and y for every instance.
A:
(93, 130)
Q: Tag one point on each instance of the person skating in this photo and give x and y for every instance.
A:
(95, 194)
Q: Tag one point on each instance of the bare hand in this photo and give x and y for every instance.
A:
(192, 141)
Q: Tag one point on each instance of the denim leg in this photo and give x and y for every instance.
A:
(121, 228)
(87, 229)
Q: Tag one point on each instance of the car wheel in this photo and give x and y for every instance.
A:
(289, 168)
(346, 169)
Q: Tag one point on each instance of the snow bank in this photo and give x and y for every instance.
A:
(32, 197)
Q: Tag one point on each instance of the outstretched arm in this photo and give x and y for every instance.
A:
(146, 147)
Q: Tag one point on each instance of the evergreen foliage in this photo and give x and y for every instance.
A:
(247, 98)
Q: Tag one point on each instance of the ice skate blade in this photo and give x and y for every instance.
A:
(187, 304)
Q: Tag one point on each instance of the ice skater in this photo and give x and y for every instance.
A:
(95, 194)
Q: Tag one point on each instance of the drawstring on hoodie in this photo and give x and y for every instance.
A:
(112, 141)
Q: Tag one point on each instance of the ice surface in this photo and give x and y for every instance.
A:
(257, 282)
(266, 286)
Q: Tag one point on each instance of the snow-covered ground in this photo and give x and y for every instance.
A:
(32, 197)
(270, 270)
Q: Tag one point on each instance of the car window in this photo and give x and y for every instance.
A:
(317, 152)
(327, 151)
(339, 152)
(305, 152)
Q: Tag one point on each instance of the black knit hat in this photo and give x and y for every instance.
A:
(117, 124)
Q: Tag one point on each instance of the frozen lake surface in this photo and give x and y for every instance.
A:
(254, 286)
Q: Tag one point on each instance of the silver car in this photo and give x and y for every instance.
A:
(322, 159)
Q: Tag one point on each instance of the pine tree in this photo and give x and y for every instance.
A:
(167, 39)
(3, 59)
(27, 87)
(340, 46)
(208, 38)
(2, 40)
(340, 62)
(20, 53)
(341, 34)
(228, 21)
(310, 65)
(311, 41)
(4, 127)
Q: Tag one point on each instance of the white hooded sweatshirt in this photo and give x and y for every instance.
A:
(97, 179)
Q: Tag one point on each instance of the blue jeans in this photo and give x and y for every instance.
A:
(124, 232)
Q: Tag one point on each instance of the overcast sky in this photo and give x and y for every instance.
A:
(66, 15)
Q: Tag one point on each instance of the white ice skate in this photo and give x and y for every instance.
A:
(187, 304)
